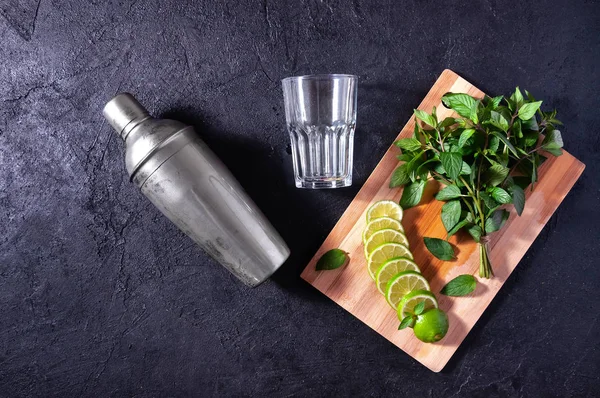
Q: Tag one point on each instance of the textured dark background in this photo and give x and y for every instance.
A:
(101, 296)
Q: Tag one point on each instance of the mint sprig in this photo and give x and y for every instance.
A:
(409, 321)
(483, 158)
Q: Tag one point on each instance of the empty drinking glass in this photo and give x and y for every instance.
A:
(320, 112)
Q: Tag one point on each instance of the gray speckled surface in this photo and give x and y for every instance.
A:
(101, 296)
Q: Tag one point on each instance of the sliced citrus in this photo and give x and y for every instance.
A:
(384, 208)
(403, 283)
(391, 268)
(386, 252)
(379, 224)
(410, 300)
(384, 236)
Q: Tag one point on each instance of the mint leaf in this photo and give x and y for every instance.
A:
(493, 143)
(411, 196)
(534, 165)
(553, 140)
(401, 176)
(417, 131)
(530, 125)
(460, 286)
(450, 192)
(473, 116)
(457, 227)
(488, 200)
(527, 111)
(408, 144)
(530, 138)
(452, 163)
(407, 322)
(464, 136)
(496, 221)
(555, 152)
(496, 174)
(405, 157)
(499, 121)
(424, 171)
(419, 308)
(333, 259)
(518, 198)
(476, 232)
(506, 142)
(500, 195)
(425, 117)
(460, 103)
(465, 169)
(439, 248)
(496, 101)
(449, 121)
(517, 98)
(450, 214)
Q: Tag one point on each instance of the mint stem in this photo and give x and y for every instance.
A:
(485, 268)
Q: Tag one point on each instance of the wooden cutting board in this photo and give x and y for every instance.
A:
(352, 287)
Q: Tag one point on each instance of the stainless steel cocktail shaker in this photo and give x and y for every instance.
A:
(188, 183)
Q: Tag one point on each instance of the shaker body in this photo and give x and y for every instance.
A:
(193, 188)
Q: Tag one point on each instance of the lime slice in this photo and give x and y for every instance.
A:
(384, 208)
(391, 268)
(403, 283)
(410, 300)
(379, 224)
(386, 252)
(384, 236)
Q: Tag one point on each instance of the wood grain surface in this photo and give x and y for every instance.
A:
(352, 287)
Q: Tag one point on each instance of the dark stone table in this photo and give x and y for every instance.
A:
(101, 296)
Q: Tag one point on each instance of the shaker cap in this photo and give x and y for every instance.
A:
(122, 110)
(145, 138)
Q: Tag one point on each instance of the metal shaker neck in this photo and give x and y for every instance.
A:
(124, 112)
(144, 135)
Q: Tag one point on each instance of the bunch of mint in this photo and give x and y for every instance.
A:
(485, 159)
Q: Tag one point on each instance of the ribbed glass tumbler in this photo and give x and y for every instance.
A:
(320, 112)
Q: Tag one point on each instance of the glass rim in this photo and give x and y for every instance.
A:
(322, 76)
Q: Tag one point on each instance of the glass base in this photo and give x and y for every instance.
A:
(324, 183)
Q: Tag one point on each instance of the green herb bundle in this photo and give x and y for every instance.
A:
(485, 159)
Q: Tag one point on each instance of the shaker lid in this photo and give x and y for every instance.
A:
(123, 110)
(144, 136)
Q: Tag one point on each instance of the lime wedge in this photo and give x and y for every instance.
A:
(391, 268)
(386, 252)
(379, 224)
(403, 283)
(384, 236)
(384, 208)
(410, 300)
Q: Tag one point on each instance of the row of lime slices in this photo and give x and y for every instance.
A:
(390, 261)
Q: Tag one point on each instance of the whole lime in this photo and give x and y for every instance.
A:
(431, 326)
